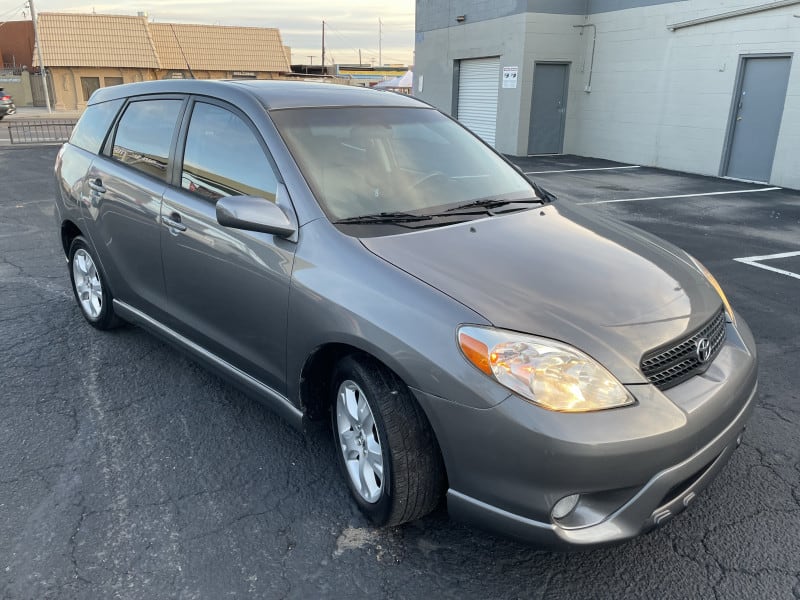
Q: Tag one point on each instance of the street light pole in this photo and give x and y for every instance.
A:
(42, 70)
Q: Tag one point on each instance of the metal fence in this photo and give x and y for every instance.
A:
(40, 131)
(11, 69)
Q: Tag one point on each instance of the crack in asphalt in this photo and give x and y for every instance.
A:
(128, 471)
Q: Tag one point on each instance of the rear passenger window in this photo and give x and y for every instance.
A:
(224, 158)
(144, 135)
(91, 130)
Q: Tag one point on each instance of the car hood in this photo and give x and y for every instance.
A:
(564, 273)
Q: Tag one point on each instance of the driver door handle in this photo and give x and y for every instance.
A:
(173, 222)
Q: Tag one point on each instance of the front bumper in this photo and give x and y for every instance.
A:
(667, 494)
(635, 467)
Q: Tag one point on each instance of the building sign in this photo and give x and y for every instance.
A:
(9, 79)
(244, 74)
(510, 77)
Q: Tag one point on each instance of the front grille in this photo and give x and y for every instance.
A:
(670, 365)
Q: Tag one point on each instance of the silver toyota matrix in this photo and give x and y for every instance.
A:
(357, 256)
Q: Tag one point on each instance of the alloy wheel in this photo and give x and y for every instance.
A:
(359, 441)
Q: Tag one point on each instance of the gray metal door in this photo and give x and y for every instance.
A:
(548, 108)
(757, 116)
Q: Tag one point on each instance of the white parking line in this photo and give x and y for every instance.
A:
(766, 189)
(754, 261)
(580, 170)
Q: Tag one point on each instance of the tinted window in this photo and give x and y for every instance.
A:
(144, 135)
(91, 130)
(224, 158)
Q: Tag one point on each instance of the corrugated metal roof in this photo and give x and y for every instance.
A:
(219, 48)
(80, 40)
(89, 40)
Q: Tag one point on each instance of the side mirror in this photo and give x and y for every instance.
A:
(254, 214)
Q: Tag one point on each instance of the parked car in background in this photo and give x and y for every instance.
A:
(7, 106)
(357, 256)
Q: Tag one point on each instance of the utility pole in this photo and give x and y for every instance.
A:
(323, 47)
(38, 42)
(380, 43)
(359, 57)
(310, 59)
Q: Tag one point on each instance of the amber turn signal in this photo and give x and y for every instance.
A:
(476, 351)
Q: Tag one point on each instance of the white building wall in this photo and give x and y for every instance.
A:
(437, 51)
(658, 98)
(552, 38)
(664, 98)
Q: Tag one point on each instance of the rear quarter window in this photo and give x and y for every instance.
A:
(91, 129)
(144, 135)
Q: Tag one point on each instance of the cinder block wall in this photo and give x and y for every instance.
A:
(658, 98)
(19, 87)
(664, 98)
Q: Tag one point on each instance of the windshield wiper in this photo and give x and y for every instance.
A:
(488, 204)
(384, 217)
(543, 193)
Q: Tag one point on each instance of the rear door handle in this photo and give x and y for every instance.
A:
(96, 185)
(173, 222)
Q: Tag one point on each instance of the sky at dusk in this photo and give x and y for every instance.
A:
(350, 25)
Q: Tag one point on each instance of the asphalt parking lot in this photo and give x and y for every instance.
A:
(127, 471)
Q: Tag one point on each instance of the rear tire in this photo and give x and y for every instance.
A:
(385, 446)
(89, 286)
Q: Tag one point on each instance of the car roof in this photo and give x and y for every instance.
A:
(272, 94)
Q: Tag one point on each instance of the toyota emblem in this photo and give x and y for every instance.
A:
(703, 350)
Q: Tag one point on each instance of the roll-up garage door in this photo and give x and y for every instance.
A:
(478, 80)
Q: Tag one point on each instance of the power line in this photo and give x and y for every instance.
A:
(10, 12)
(347, 41)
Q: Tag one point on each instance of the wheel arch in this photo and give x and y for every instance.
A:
(69, 231)
(316, 374)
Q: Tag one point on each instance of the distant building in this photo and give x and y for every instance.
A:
(16, 49)
(361, 75)
(16, 44)
(84, 52)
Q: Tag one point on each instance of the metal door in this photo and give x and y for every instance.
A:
(37, 89)
(757, 113)
(478, 83)
(548, 108)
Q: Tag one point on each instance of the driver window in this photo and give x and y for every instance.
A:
(224, 158)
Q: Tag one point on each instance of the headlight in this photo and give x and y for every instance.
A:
(550, 374)
(715, 284)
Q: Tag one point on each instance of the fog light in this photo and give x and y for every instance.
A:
(565, 506)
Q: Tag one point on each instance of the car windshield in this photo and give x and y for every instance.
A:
(368, 161)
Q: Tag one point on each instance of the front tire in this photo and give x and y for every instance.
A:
(88, 284)
(385, 445)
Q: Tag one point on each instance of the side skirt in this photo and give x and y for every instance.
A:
(249, 385)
